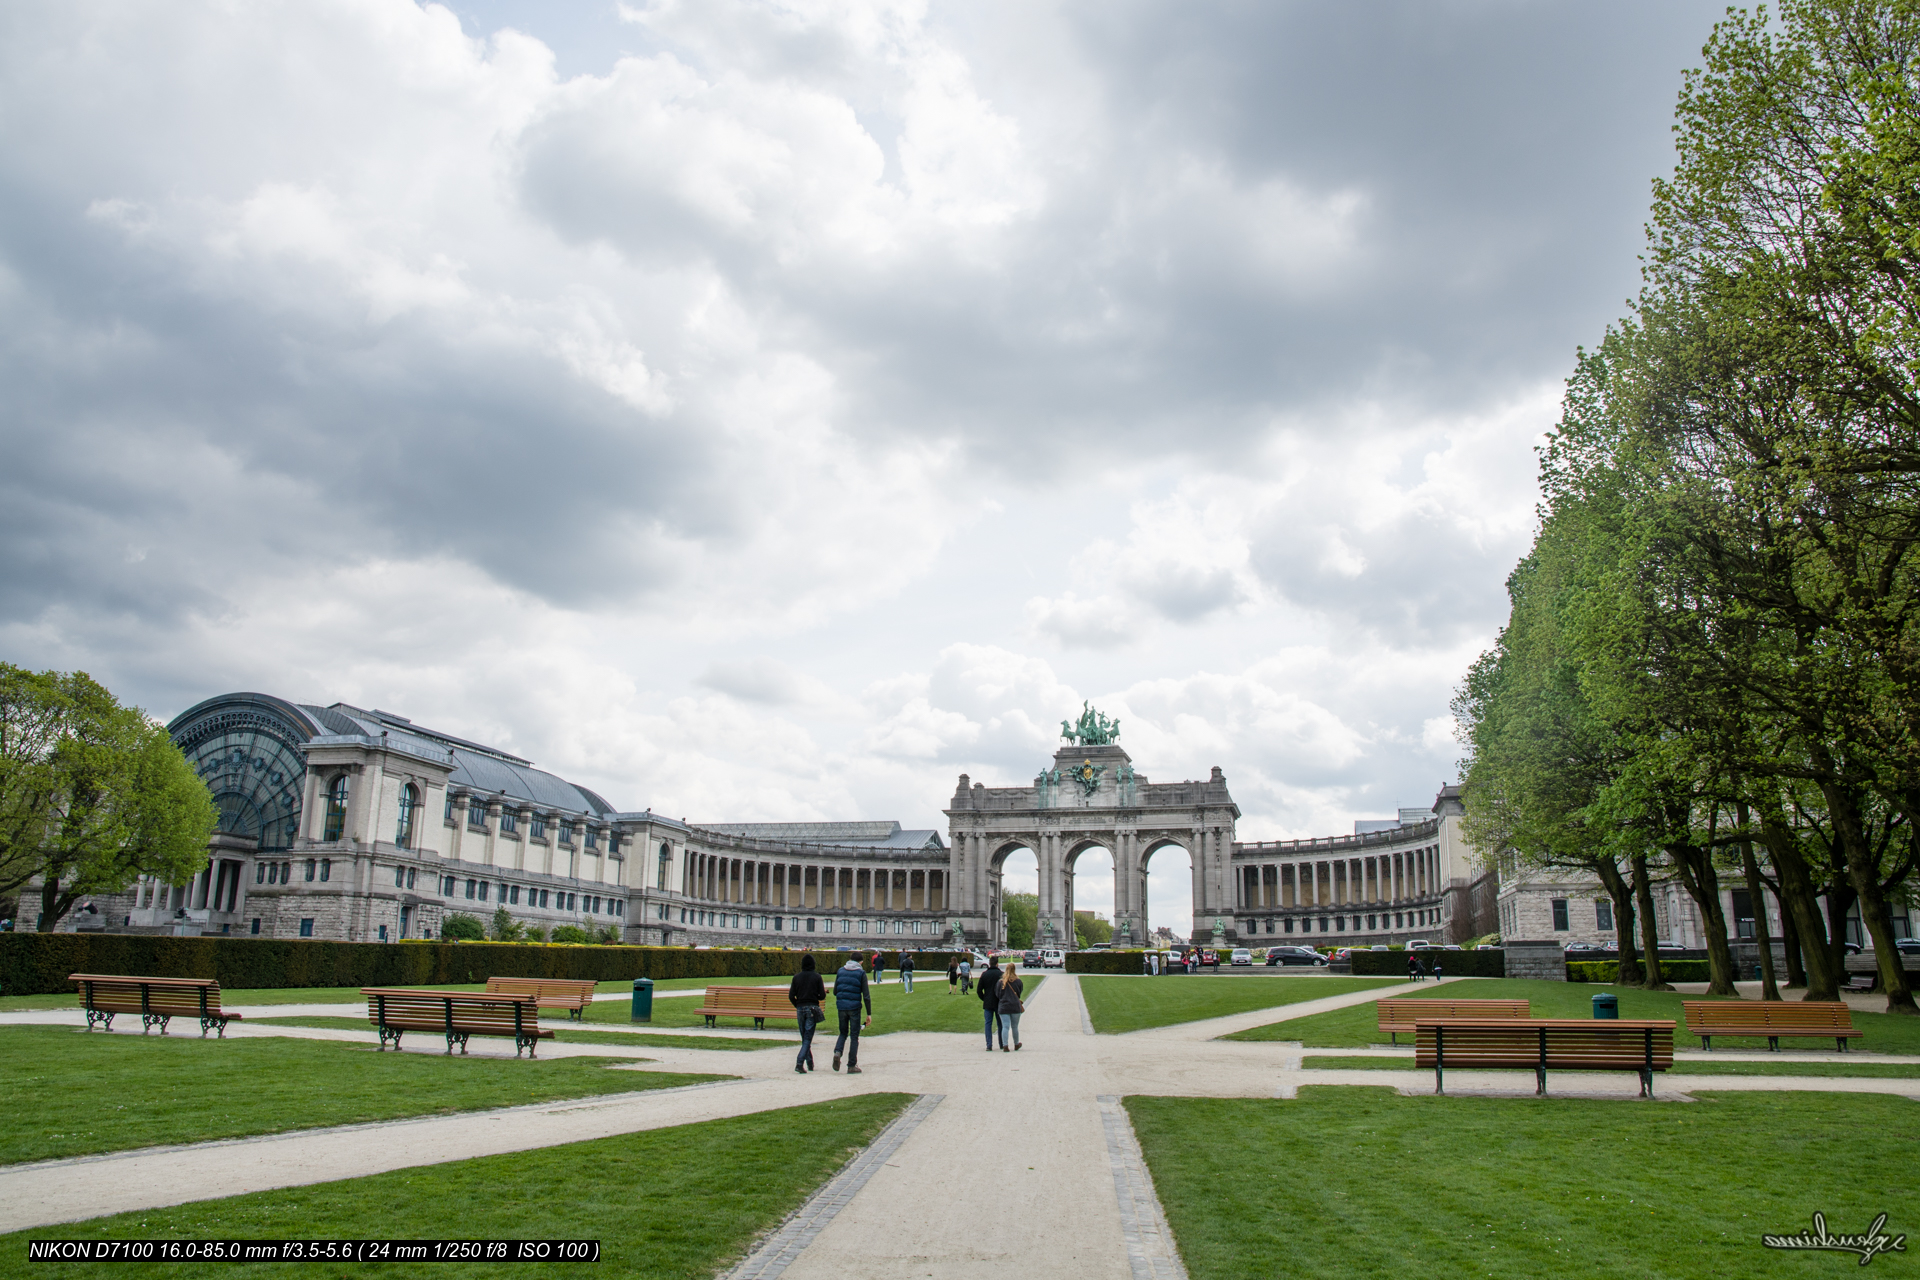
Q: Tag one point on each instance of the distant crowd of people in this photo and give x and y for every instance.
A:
(999, 990)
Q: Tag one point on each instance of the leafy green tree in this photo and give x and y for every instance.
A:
(505, 927)
(571, 933)
(1089, 929)
(1022, 911)
(462, 927)
(93, 795)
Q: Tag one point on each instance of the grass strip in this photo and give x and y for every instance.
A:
(1359, 1026)
(1119, 1004)
(1519, 1187)
(563, 1033)
(1690, 1067)
(680, 1202)
(929, 1008)
(78, 1093)
(243, 997)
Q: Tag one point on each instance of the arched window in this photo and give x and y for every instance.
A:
(336, 808)
(403, 830)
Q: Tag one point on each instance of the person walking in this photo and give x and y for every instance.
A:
(806, 994)
(850, 991)
(906, 971)
(879, 968)
(953, 974)
(989, 985)
(966, 975)
(1011, 985)
(1413, 967)
(1436, 968)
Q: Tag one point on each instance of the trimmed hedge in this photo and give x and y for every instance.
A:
(1483, 963)
(1106, 962)
(38, 963)
(1608, 970)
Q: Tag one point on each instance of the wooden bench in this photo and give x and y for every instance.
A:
(1398, 1015)
(758, 1003)
(571, 994)
(1769, 1018)
(1562, 1044)
(456, 1015)
(156, 1000)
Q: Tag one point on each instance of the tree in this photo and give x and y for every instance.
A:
(93, 795)
(505, 927)
(571, 933)
(1089, 928)
(1022, 913)
(462, 927)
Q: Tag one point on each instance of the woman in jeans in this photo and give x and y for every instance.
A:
(805, 994)
(1010, 1007)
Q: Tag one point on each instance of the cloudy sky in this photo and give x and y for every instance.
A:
(771, 410)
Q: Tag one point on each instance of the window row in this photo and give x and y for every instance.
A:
(1421, 919)
(550, 899)
(1603, 916)
(282, 872)
(334, 826)
(798, 924)
(509, 825)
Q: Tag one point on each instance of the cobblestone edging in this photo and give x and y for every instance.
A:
(779, 1250)
(1150, 1247)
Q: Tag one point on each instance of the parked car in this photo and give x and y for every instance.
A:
(1285, 956)
(1210, 958)
(1241, 956)
(1418, 944)
(1585, 946)
(1907, 946)
(1053, 959)
(1029, 958)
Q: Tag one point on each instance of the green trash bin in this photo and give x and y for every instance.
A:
(1606, 1005)
(643, 1000)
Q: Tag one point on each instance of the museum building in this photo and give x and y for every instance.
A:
(338, 822)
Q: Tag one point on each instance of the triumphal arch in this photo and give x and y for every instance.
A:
(1090, 797)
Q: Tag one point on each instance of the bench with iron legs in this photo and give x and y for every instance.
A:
(1770, 1018)
(571, 994)
(456, 1015)
(758, 1003)
(156, 1000)
(1398, 1015)
(1559, 1044)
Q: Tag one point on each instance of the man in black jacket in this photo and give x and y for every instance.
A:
(850, 991)
(989, 987)
(806, 994)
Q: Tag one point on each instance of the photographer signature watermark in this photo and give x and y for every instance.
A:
(1873, 1241)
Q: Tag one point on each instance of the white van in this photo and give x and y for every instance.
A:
(1053, 959)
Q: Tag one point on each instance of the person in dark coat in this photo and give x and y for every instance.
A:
(850, 991)
(989, 988)
(953, 975)
(1413, 967)
(806, 994)
(906, 971)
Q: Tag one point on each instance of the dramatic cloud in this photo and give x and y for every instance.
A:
(772, 409)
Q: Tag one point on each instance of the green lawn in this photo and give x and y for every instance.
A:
(929, 1008)
(242, 997)
(1359, 1183)
(75, 1093)
(679, 1202)
(1120, 1004)
(1691, 1067)
(563, 1033)
(1359, 1026)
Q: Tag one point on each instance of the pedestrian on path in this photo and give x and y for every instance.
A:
(850, 991)
(1413, 967)
(1436, 968)
(879, 967)
(966, 975)
(953, 974)
(906, 971)
(990, 998)
(1011, 985)
(806, 994)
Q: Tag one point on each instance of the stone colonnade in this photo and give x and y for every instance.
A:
(1370, 879)
(811, 885)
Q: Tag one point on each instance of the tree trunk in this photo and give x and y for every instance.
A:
(1623, 917)
(1801, 904)
(1863, 873)
(1702, 884)
(49, 901)
(1651, 980)
(1762, 936)
(1790, 939)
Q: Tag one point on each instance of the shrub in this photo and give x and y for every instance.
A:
(505, 927)
(1609, 970)
(572, 934)
(460, 925)
(1106, 962)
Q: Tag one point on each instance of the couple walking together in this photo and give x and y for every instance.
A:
(808, 992)
(1000, 1000)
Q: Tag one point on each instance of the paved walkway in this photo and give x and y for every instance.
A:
(1035, 1123)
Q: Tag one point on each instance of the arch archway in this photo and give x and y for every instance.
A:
(1091, 896)
(1014, 867)
(1166, 892)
